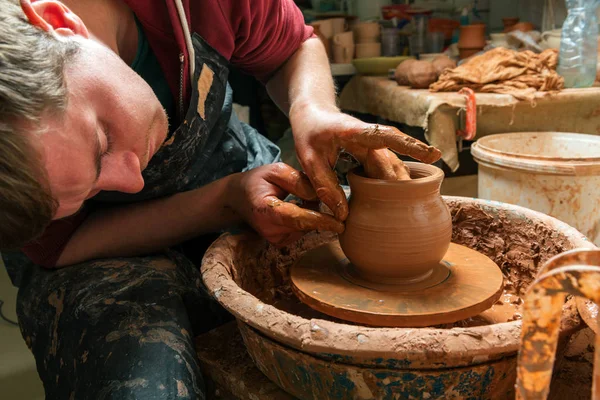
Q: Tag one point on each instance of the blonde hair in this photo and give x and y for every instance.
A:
(32, 84)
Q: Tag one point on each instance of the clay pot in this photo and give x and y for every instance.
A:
(343, 54)
(509, 22)
(366, 32)
(326, 41)
(466, 53)
(344, 39)
(325, 26)
(397, 230)
(521, 26)
(472, 37)
(339, 25)
(367, 50)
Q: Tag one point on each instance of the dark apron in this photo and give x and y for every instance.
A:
(123, 328)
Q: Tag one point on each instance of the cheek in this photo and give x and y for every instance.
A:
(66, 209)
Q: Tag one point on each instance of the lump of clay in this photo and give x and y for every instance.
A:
(442, 63)
(401, 73)
(421, 74)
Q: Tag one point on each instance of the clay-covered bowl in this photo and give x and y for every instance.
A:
(397, 230)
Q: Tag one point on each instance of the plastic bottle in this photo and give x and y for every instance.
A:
(579, 44)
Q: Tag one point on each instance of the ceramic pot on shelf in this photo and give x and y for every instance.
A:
(343, 54)
(367, 50)
(366, 32)
(471, 40)
(325, 40)
(509, 22)
(325, 26)
(338, 25)
(397, 231)
(472, 36)
(344, 39)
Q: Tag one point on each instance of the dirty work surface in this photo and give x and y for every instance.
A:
(232, 375)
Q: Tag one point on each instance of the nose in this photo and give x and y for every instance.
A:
(121, 172)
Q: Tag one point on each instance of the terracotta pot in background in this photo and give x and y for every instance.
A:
(343, 54)
(472, 37)
(344, 39)
(521, 26)
(326, 41)
(397, 229)
(509, 22)
(325, 27)
(366, 32)
(338, 25)
(367, 50)
(466, 53)
(444, 25)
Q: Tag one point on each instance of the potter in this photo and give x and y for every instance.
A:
(397, 230)
(138, 151)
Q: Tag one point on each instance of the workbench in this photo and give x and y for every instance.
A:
(442, 114)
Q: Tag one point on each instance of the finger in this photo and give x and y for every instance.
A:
(381, 136)
(300, 219)
(326, 185)
(381, 163)
(292, 181)
(402, 171)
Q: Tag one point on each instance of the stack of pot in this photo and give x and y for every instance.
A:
(367, 38)
(326, 29)
(471, 40)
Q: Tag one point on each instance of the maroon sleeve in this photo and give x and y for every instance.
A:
(266, 33)
(46, 250)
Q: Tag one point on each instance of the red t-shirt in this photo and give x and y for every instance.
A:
(256, 36)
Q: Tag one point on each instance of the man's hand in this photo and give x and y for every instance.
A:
(257, 196)
(320, 134)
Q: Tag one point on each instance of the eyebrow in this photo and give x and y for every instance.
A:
(98, 156)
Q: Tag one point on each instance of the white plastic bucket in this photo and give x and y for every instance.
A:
(552, 172)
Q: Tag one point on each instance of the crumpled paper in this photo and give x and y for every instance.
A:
(520, 74)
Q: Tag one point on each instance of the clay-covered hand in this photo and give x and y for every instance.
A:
(257, 196)
(320, 134)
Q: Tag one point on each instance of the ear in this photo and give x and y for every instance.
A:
(53, 16)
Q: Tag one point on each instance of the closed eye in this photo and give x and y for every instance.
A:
(100, 153)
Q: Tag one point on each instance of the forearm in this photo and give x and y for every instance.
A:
(304, 80)
(142, 228)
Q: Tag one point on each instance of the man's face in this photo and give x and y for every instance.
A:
(111, 128)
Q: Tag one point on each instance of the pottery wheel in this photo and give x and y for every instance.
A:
(465, 284)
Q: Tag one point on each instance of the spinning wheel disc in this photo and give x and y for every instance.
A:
(464, 284)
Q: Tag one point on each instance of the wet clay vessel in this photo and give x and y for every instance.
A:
(397, 231)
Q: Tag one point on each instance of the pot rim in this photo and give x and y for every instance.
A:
(434, 174)
(370, 344)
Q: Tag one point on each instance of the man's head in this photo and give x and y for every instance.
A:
(74, 118)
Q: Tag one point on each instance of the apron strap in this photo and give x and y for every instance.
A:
(188, 37)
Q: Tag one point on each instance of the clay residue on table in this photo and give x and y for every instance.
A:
(518, 247)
